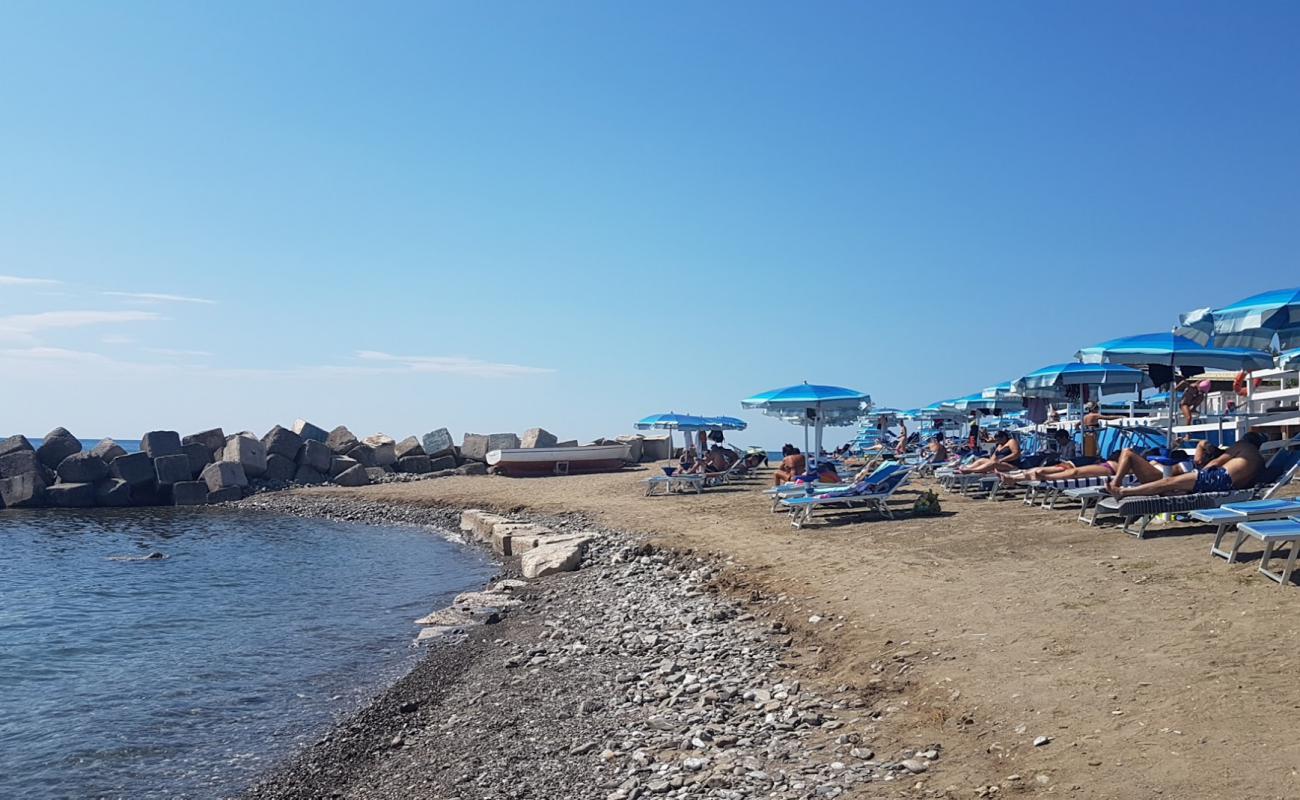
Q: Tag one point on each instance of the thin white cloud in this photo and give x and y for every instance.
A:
(155, 297)
(14, 280)
(52, 354)
(453, 365)
(168, 351)
(115, 338)
(22, 326)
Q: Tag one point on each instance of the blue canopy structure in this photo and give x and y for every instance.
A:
(1051, 380)
(1254, 321)
(1289, 359)
(976, 400)
(811, 404)
(686, 423)
(727, 423)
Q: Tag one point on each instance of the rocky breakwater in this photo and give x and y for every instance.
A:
(207, 467)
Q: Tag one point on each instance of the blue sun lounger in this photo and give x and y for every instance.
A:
(871, 495)
(1273, 533)
(1234, 515)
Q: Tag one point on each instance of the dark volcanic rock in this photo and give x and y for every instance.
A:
(134, 468)
(22, 491)
(279, 468)
(172, 469)
(282, 441)
(112, 492)
(189, 493)
(15, 443)
(341, 440)
(107, 450)
(71, 495)
(161, 443)
(82, 468)
(57, 445)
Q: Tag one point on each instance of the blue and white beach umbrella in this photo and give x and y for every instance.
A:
(1049, 381)
(811, 404)
(1254, 321)
(1289, 359)
(974, 401)
(687, 423)
(727, 423)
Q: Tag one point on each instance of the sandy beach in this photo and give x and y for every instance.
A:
(1141, 668)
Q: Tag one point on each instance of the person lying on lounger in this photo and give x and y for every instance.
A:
(1006, 457)
(1236, 468)
(792, 465)
(826, 473)
(1064, 471)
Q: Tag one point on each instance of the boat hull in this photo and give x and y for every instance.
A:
(529, 462)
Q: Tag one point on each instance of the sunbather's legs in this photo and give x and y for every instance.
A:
(1131, 462)
(1179, 484)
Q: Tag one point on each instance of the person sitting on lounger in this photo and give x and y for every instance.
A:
(1236, 468)
(826, 473)
(792, 465)
(938, 450)
(687, 460)
(1006, 457)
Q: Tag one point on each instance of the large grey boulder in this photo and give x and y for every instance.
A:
(340, 464)
(82, 468)
(353, 476)
(385, 449)
(107, 450)
(224, 475)
(548, 559)
(71, 495)
(364, 455)
(633, 448)
(438, 443)
(309, 432)
(502, 441)
(14, 444)
(134, 468)
(172, 469)
(341, 441)
(538, 437)
(199, 454)
(214, 439)
(22, 491)
(57, 445)
(113, 492)
(189, 493)
(410, 446)
(442, 463)
(414, 465)
(315, 455)
(474, 447)
(279, 468)
(283, 442)
(161, 443)
(308, 476)
(247, 452)
(229, 494)
(21, 462)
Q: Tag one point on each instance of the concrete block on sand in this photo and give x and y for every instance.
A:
(247, 452)
(315, 455)
(22, 491)
(83, 467)
(57, 445)
(502, 441)
(385, 449)
(282, 441)
(438, 443)
(279, 468)
(172, 469)
(341, 440)
(309, 432)
(134, 468)
(71, 495)
(414, 465)
(479, 524)
(548, 559)
(472, 602)
(656, 447)
(224, 475)
(410, 446)
(472, 468)
(309, 476)
(199, 454)
(474, 447)
(513, 538)
(363, 454)
(442, 463)
(189, 493)
(107, 450)
(339, 464)
(213, 439)
(113, 492)
(161, 443)
(538, 437)
(633, 448)
(353, 476)
(15, 443)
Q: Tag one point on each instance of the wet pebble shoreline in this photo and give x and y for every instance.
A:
(628, 679)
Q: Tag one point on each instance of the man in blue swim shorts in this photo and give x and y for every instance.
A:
(1237, 468)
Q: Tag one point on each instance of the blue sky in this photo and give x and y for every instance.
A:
(494, 216)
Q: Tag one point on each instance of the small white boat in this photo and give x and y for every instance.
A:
(558, 460)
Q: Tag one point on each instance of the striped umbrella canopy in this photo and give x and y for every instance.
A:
(812, 404)
(1171, 350)
(673, 422)
(1197, 325)
(727, 423)
(1254, 321)
(977, 400)
(1289, 359)
(1050, 381)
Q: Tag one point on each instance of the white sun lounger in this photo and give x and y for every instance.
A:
(668, 484)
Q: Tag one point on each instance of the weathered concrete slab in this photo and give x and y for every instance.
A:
(634, 445)
(513, 538)
(22, 491)
(223, 475)
(472, 468)
(107, 450)
(71, 495)
(442, 463)
(161, 443)
(113, 492)
(377, 474)
(309, 432)
(364, 455)
(309, 476)
(199, 455)
(341, 440)
(353, 476)
(83, 467)
(384, 447)
(57, 445)
(172, 469)
(474, 447)
(189, 493)
(568, 443)
(247, 452)
(279, 468)
(484, 525)
(213, 439)
(15, 443)
(410, 446)
(538, 437)
(22, 462)
(550, 559)
(414, 465)
(282, 441)
(656, 447)
(438, 443)
(502, 441)
(134, 468)
(339, 464)
(315, 455)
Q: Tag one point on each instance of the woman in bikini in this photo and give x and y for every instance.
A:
(1006, 457)
(1065, 470)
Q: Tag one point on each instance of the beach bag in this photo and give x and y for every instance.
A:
(927, 505)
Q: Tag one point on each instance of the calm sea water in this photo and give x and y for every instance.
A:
(185, 677)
